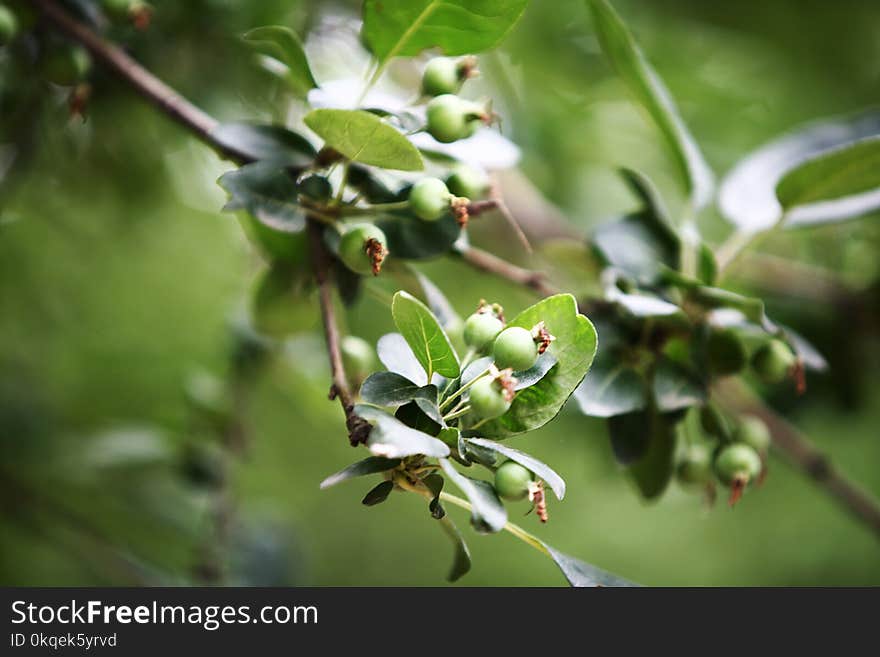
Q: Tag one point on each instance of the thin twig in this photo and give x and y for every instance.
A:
(492, 264)
(799, 450)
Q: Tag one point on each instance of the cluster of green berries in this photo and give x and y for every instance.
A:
(449, 117)
(513, 349)
(726, 354)
(738, 459)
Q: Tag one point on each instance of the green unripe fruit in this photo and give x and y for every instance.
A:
(753, 432)
(696, 466)
(487, 399)
(726, 353)
(315, 187)
(481, 329)
(468, 182)
(773, 361)
(66, 66)
(358, 357)
(512, 481)
(441, 76)
(8, 25)
(737, 464)
(713, 422)
(429, 199)
(117, 9)
(450, 118)
(515, 348)
(359, 246)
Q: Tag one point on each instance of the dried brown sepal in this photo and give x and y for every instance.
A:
(141, 15)
(737, 488)
(327, 156)
(459, 206)
(538, 498)
(542, 336)
(78, 101)
(494, 308)
(377, 254)
(467, 68)
(799, 374)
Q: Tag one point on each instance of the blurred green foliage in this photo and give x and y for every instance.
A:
(119, 278)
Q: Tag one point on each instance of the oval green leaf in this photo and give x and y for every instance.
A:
(392, 439)
(610, 389)
(283, 45)
(370, 465)
(254, 141)
(267, 193)
(488, 514)
(542, 470)
(395, 28)
(581, 574)
(364, 137)
(425, 336)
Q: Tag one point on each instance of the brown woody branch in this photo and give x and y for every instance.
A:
(786, 438)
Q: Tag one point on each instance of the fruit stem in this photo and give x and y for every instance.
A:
(457, 413)
(343, 181)
(448, 400)
(353, 210)
(509, 527)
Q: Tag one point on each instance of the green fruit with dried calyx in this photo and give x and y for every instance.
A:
(725, 352)
(481, 329)
(737, 464)
(754, 432)
(429, 199)
(512, 481)
(66, 65)
(773, 361)
(695, 468)
(443, 75)
(467, 181)
(515, 348)
(488, 399)
(450, 118)
(363, 248)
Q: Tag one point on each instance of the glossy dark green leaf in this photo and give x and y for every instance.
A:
(392, 438)
(610, 390)
(272, 143)
(282, 44)
(401, 28)
(391, 389)
(461, 562)
(267, 193)
(542, 470)
(676, 388)
(631, 65)
(378, 494)
(370, 465)
(636, 245)
(425, 336)
(364, 137)
(397, 356)
(573, 349)
(653, 471)
(581, 574)
(434, 483)
(411, 238)
(649, 195)
(644, 305)
(488, 514)
(838, 173)
(413, 416)
(747, 197)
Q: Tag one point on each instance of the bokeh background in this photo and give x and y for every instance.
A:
(120, 280)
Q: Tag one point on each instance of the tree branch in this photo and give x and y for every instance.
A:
(492, 264)
(803, 455)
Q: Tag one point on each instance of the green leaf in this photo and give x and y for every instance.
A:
(402, 28)
(643, 305)
(391, 389)
(636, 245)
(581, 574)
(370, 465)
(434, 483)
(488, 514)
(267, 193)
(747, 197)
(573, 349)
(378, 494)
(425, 336)
(675, 388)
(252, 141)
(524, 378)
(611, 388)
(411, 238)
(649, 195)
(282, 44)
(542, 470)
(653, 471)
(832, 175)
(461, 563)
(393, 439)
(396, 355)
(630, 434)
(364, 137)
(629, 62)
(413, 415)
